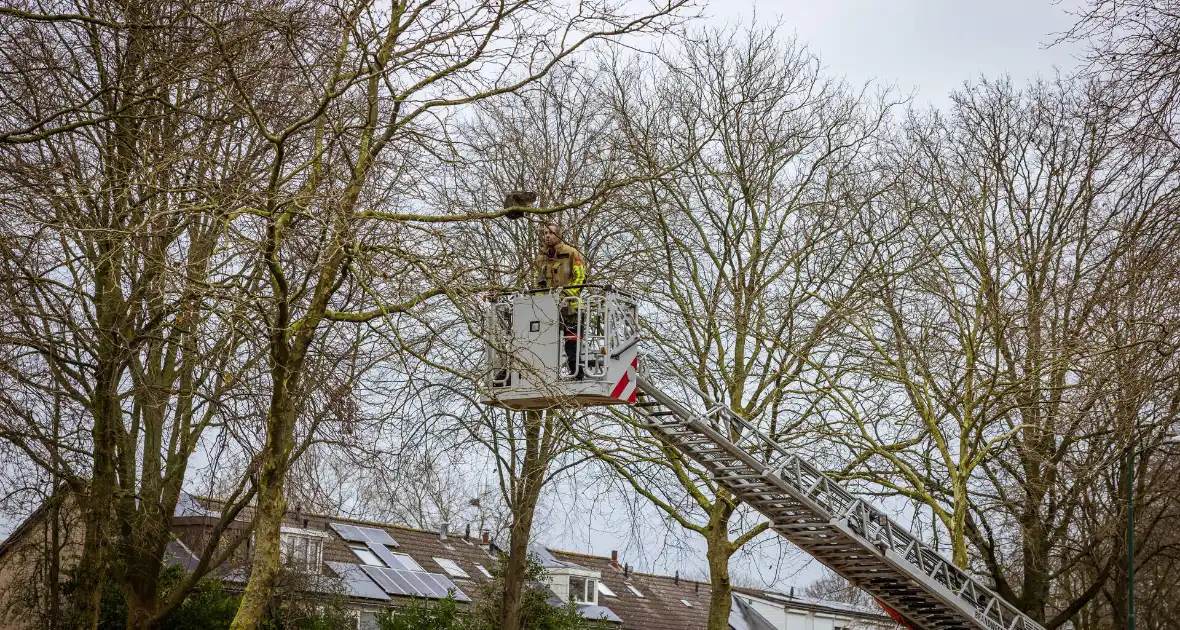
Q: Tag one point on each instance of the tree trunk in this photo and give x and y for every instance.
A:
(272, 504)
(718, 552)
(958, 529)
(525, 505)
(54, 557)
(140, 612)
(92, 566)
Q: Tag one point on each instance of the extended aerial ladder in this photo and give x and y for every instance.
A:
(525, 353)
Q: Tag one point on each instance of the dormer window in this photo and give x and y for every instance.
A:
(301, 549)
(583, 590)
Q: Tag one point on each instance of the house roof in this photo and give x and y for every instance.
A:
(643, 601)
(660, 602)
(662, 605)
(421, 545)
(61, 495)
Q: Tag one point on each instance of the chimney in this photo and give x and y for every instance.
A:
(442, 531)
(467, 533)
(614, 558)
(626, 570)
(486, 537)
(792, 592)
(698, 587)
(676, 579)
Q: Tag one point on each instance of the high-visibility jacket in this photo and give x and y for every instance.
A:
(561, 266)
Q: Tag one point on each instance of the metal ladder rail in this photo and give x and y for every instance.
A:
(825, 519)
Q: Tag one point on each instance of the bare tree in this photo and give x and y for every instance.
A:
(122, 165)
(1134, 48)
(985, 358)
(345, 150)
(833, 588)
(557, 139)
(745, 259)
(259, 144)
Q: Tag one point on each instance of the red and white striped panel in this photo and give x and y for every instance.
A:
(625, 388)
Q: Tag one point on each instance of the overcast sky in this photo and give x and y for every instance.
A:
(931, 46)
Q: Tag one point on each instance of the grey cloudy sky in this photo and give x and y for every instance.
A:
(931, 46)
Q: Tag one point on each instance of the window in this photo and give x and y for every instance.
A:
(634, 590)
(483, 570)
(603, 589)
(301, 552)
(451, 567)
(367, 557)
(583, 590)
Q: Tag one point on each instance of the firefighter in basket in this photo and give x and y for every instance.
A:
(560, 264)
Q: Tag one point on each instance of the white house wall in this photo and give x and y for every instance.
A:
(785, 619)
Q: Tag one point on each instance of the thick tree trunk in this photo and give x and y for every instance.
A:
(525, 505)
(1035, 566)
(264, 569)
(515, 572)
(92, 566)
(958, 529)
(272, 504)
(140, 611)
(54, 552)
(54, 573)
(718, 552)
(107, 414)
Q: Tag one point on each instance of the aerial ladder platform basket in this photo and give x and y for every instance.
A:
(527, 359)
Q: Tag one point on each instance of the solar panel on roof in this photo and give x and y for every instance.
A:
(449, 586)
(414, 583)
(403, 583)
(424, 585)
(379, 536)
(386, 584)
(356, 582)
(351, 533)
(383, 552)
(446, 585)
(354, 533)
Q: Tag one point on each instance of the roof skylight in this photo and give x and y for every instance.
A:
(451, 567)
